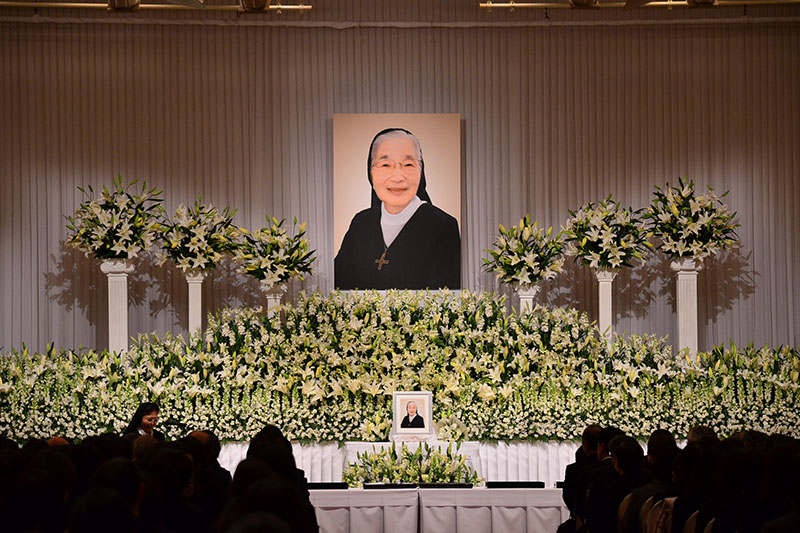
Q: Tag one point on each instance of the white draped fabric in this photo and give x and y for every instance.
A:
(477, 510)
(516, 461)
(359, 510)
(557, 111)
(483, 510)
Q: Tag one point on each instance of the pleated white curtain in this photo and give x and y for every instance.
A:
(554, 115)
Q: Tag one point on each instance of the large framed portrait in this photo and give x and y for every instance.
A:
(397, 201)
(413, 414)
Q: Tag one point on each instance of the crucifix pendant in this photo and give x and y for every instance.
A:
(382, 261)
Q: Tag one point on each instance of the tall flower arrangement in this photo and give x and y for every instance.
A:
(606, 236)
(525, 254)
(120, 224)
(691, 226)
(273, 256)
(198, 237)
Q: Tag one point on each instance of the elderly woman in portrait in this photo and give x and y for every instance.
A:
(412, 418)
(403, 241)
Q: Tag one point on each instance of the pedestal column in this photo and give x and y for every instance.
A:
(274, 294)
(526, 296)
(687, 270)
(117, 270)
(605, 280)
(195, 282)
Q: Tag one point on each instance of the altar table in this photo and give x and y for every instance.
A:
(477, 510)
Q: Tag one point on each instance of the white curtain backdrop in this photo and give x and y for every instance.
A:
(557, 109)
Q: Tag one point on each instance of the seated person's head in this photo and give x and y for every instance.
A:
(590, 438)
(143, 447)
(101, 510)
(121, 476)
(271, 495)
(604, 440)
(698, 433)
(661, 452)
(628, 455)
(272, 447)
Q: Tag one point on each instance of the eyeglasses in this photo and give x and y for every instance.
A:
(407, 166)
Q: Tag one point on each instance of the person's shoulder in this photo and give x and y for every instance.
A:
(431, 211)
(434, 217)
(365, 216)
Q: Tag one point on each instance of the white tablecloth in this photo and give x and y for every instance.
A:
(439, 510)
(374, 511)
(483, 510)
(496, 461)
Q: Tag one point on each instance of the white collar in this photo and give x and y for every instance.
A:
(391, 225)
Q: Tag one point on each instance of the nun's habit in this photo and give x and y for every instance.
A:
(425, 254)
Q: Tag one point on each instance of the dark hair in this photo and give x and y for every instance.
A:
(272, 447)
(591, 436)
(629, 454)
(143, 410)
(700, 432)
(661, 451)
(607, 434)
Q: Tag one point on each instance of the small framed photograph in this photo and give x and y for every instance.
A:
(413, 413)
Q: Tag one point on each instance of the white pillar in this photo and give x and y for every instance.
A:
(605, 279)
(117, 271)
(687, 271)
(526, 296)
(195, 281)
(274, 294)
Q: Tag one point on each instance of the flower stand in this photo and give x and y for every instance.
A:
(195, 282)
(117, 270)
(274, 294)
(605, 279)
(526, 295)
(687, 270)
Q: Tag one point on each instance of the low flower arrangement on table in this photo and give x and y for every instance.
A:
(324, 371)
(426, 464)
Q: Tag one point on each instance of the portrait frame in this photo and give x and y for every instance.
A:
(424, 403)
(439, 135)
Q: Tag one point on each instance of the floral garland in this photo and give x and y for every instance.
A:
(118, 225)
(199, 237)
(425, 465)
(272, 256)
(691, 226)
(325, 368)
(605, 236)
(524, 255)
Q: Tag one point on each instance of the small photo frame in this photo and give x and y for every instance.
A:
(413, 414)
